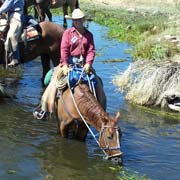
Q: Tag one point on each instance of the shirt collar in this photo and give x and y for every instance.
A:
(74, 30)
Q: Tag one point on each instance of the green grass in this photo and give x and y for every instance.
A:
(125, 174)
(10, 72)
(141, 29)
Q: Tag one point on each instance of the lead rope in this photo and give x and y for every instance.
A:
(84, 119)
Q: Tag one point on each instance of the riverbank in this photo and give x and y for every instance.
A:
(151, 27)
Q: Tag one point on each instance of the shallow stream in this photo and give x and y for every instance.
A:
(32, 149)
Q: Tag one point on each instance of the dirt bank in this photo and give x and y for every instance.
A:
(159, 5)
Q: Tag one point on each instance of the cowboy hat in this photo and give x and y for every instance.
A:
(76, 14)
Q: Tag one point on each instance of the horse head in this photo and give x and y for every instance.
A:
(110, 138)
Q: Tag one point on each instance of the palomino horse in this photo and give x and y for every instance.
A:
(77, 109)
(43, 8)
(46, 45)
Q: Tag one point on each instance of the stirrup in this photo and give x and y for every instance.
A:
(13, 63)
(39, 115)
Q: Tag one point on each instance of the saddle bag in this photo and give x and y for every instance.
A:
(32, 33)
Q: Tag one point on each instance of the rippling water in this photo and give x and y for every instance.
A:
(32, 149)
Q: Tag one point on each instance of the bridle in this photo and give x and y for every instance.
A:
(107, 147)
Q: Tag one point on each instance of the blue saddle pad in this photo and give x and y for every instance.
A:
(76, 73)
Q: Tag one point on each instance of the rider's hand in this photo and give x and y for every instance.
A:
(65, 69)
(87, 68)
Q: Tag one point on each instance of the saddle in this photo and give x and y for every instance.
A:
(31, 33)
(31, 30)
(76, 76)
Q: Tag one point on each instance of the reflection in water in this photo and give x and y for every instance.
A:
(32, 149)
(68, 159)
(152, 141)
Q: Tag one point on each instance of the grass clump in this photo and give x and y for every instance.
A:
(10, 72)
(125, 174)
(136, 29)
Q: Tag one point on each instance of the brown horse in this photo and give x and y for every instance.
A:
(77, 109)
(47, 45)
(43, 8)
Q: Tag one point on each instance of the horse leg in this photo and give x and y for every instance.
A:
(55, 59)
(72, 7)
(35, 13)
(82, 131)
(65, 12)
(49, 14)
(2, 53)
(77, 4)
(40, 12)
(45, 61)
(63, 129)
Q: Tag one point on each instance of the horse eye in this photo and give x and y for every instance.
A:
(110, 137)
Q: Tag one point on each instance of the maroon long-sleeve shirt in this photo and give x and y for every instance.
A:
(74, 45)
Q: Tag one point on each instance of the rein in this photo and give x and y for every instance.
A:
(83, 117)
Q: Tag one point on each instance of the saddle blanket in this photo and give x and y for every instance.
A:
(32, 33)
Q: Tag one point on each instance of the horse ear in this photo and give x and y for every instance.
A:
(118, 115)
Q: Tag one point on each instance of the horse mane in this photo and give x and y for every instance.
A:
(89, 107)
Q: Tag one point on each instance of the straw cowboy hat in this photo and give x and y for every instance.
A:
(76, 14)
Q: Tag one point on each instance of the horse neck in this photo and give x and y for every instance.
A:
(91, 109)
(97, 117)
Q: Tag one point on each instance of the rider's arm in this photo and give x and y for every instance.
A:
(7, 5)
(65, 50)
(90, 54)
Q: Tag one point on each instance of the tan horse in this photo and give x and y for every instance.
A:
(78, 109)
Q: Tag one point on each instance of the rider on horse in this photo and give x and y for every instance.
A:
(15, 12)
(77, 47)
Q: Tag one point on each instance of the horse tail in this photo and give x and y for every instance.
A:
(77, 4)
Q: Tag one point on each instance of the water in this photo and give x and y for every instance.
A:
(32, 149)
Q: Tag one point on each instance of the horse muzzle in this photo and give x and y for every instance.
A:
(116, 158)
